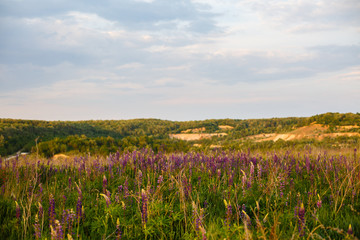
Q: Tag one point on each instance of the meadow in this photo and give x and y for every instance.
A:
(196, 195)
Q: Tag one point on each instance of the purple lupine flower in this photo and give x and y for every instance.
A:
(231, 179)
(301, 219)
(79, 212)
(18, 212)
(108, 194)
(59, 230)
(105, 182)
(203, 232)
(126, 189)
(40, 189)
(68, 220)
(51, 210)
(140, 175)
(64, 218)
(252, 169)
(228, 213)
(219, 173)
(37, 228)
(107, 199)
(160, 180)
(196, 217)
(144, 207)
(319, 202)
(350, 230)
(120, 189)
(282, 186)
(118, 230)
(53, 233)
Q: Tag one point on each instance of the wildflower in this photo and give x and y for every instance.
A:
(126, 189)
(105, 182)
(140, 175)
(107, 199)
(59, 230)
(37, 228)
(228, 213)
(319, 202)
(197, 216)
(350, 230)
(41, 210)
(79, 208)
(18, 211)
(160, 180)
(40, 189)
(301, 219)
(53, 233)
(144, 206)
(51, 210)
(118, 230)
(203, 232)
(245, 218)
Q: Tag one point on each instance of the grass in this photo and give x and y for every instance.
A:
(213, 195)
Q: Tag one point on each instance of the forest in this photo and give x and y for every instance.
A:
(108, 136)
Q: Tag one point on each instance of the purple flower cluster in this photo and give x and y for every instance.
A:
(301, 219)
(160, 180)
(51, 210)
(118, 230)
(105, 183)
(37, 228)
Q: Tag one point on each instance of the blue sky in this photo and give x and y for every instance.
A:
(178, 60)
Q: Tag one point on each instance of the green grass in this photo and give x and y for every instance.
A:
(214, 195)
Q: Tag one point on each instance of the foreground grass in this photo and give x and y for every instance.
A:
(142, 195)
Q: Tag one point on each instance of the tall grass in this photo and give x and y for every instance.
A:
(214, 195)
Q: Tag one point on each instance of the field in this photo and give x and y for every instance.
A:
(213, 195)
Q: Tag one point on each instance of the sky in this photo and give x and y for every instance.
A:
(178, 60)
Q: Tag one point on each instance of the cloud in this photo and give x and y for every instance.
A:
(263, 66)
(308, 15)
(140, 15)
(142, 58)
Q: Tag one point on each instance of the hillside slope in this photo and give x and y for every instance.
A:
(22, 135)
(312, 131)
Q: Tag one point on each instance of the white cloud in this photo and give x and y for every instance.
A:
(323, 15)
(147, 57)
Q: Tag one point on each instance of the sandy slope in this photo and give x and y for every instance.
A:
(316, 131)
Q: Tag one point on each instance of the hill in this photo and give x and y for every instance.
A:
(105, 136)
(312, 131)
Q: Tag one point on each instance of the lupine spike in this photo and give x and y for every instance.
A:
(350, 230)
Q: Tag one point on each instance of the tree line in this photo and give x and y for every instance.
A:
(20, 135)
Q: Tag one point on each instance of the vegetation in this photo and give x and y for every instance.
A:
(214, 195)
(129, 179)
(104, 137)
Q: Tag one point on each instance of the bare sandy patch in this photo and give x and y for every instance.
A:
(196, 136)
(225, 127)
(194, 130)
(313, 131)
